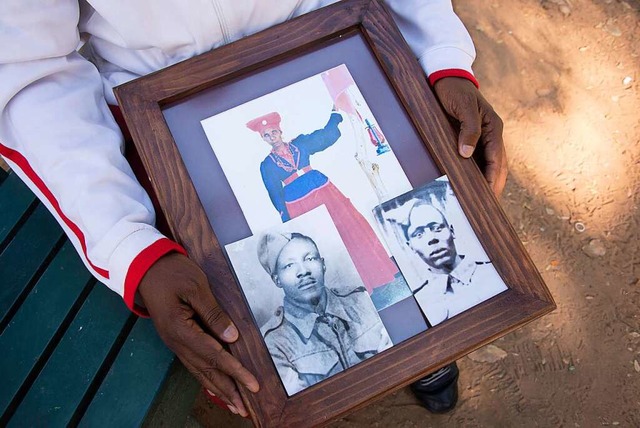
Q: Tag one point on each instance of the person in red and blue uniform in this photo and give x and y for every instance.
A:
(295, 188)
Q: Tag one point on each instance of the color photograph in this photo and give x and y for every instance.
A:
(315, 143)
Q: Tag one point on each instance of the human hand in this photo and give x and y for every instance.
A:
(478, 122)
(188, 319)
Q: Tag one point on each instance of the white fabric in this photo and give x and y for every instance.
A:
(53, 102)
(469, 284)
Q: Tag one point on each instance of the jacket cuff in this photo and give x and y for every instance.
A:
(453, 72)
(446, 59)
(143, 248)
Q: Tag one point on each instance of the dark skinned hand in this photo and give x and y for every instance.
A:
(479, 125)
(188, 319)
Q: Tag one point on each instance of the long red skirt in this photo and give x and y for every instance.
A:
(368, 255)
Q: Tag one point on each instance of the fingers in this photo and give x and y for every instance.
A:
(496, 169)
(216, 369)
(204, 369)
(214, 398)
(496, 172)
(222, 387)
(229, 396)
(208, 350)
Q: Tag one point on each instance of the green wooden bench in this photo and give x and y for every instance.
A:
(70, 351)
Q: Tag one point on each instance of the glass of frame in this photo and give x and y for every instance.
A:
(204, 129)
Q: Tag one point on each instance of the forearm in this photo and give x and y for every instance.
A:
(322, 138)
(57, 133)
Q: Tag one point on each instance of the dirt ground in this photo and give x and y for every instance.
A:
(564, 75)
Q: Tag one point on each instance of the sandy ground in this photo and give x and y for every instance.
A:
(564, 75)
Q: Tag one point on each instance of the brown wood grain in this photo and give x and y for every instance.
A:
(142, 101)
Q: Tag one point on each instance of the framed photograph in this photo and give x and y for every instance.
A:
(308, 169)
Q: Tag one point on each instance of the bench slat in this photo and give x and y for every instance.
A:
(67, 376)
(67, 334)
(22, 258)
(16, 199)
(133, 381)
(39, 319)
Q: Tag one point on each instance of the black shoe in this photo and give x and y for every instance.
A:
(438, 392)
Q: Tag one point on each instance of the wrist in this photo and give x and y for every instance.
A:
(452, 72)
(137, 278)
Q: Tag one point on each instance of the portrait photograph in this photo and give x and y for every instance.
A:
(312, 143)
(307, 299)
(437, 251)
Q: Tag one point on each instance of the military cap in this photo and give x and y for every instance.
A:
(270, 246)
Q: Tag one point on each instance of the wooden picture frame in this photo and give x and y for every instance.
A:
(158, 109)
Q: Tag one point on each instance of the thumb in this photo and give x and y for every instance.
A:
(470, 129)
(213, 318)
(459, 97)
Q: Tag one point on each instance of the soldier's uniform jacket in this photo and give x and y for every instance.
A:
(307, 347)
(443, 296)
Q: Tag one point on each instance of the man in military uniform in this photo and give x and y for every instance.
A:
(319, 331)
(456, 283)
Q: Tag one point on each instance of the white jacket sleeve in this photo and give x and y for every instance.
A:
(58, 135)
(437, 37)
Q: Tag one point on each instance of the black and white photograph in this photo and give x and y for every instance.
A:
(314, 143)
(308, 300)
(437, 251)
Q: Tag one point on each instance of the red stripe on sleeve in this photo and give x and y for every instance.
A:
(139, 267)
(24, 165)
(452, 72)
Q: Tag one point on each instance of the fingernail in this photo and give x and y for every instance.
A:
(230, 334)
(253, 387)
(466, 151)
(239, 407)
(233, 410)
